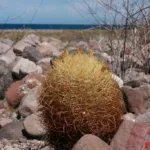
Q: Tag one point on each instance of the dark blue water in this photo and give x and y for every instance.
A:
(58, 26)
(46, 26)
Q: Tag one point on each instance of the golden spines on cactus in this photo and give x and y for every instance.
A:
(79, 97)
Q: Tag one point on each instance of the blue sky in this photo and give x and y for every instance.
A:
(50, 12)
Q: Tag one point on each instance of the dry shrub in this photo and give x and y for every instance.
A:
(79, 97)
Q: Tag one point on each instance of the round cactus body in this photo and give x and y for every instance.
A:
(79, 97)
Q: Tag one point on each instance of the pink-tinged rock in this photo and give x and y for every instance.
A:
(2, 111)
(120, 140)
(129, 116)
(47, 148)
(4, 121)
(48, 49)
(137, 137)
(44, 64)
(33, 80)
(135, 100)
(144, 118)
(2, 105)
(130, 136)
(1, 145)
(145, 89)
(13, 95)
(91, 142)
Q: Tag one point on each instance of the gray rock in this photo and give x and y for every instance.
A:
(133, 83)
(24, 67)
(30, 40)
(134, 99)
(5, 78)
(19, 47)
(6, 41)
(48, 49)
(29, 103)
(44, 64)
(33, 126)
(132, 74)
(144, 118)
(7, 147)
(72, 44)
(32, 54)
(4, 121)
(91, 142)
(4, 48)
(82, 44)
(8, 57)
(56, 43)
(12, 131)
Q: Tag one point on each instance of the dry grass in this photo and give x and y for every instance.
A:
(64, 35)
(80, 97)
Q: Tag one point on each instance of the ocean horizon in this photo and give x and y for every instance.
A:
(52, 26)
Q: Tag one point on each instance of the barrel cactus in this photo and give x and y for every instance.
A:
(79, 97)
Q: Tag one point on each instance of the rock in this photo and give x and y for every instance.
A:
(7, 147)
(32, 80)
(1, 145)
(14, 94)
(30, 40)
(24, 67)
(29, 103)
(2, 105)
(47, 148)
(4, 48)
(33, 126)
(56, 43)
(72, 43)
(137, 136)
(107, 57)
(130, 136)
(47, 50)
(132, 74)
(118, 80)
(133, 83)
(4, 121)
(129, 116)
(146, 66)
(19, 89)
(135, 100)
(91, 142)
(32, 54)
(12, 131)
(5, 78)
(19, 47)
(120, 140)
(2, 111)
(8, 57)
(44, 64)
(145, 89)
(144, 118)
(82, 44)
(6, 41)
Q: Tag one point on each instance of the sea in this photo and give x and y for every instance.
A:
(52, 26)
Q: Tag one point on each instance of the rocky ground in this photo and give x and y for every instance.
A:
(22, 68)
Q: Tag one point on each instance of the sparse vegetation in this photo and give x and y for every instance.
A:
(64, 35)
